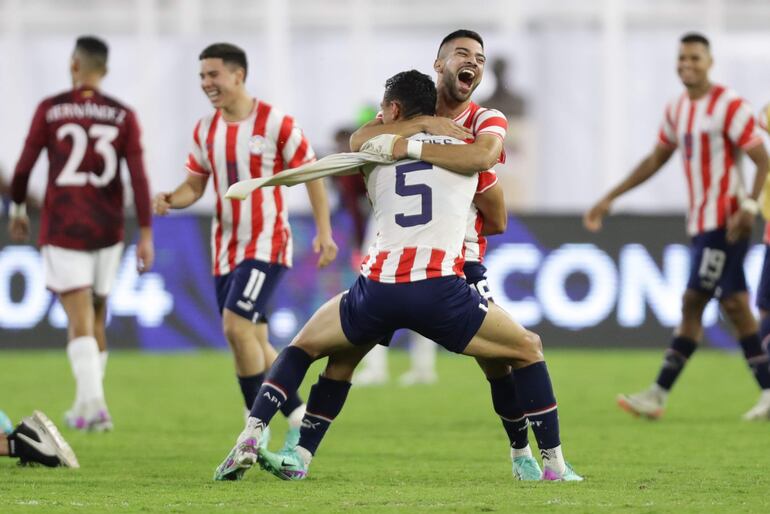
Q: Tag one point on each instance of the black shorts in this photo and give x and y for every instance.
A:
(716, 266)
(247, 289)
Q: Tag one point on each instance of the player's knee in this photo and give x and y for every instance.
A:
(734, 306)
(693, 304)
(493, 368)
(531, 348)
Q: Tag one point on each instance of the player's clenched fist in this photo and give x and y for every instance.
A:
(161, 203)
(592, 220)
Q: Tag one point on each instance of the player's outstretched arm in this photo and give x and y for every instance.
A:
(741, 222)
(649, 166)
(469, 159)
(491, 205)
(183, 196)
(323, 243)
(406, 128)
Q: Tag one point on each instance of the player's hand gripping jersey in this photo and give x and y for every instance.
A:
(420, 213)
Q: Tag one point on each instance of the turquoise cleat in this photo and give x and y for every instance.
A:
(264, 439)
(526, 468)
(286, 464)
(292, 439)
(6, 426)
(569, 475)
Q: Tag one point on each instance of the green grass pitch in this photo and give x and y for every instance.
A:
(425, 449)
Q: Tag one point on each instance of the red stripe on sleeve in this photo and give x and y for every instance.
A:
(747, 135)
(405, 265)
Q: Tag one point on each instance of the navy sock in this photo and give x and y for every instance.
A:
(325, 402)
(764, 333)
(507, 406)
(292, 402)
(250, 387)
(536, 398)
(675, 358)
(757, 359)
(282, 381)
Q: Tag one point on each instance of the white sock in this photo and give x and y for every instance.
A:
(521, 452)
(376, 361)
(764, 396)
(304, 454)
(103, 361)
(83, 353)
(295, 418)
(554, 460)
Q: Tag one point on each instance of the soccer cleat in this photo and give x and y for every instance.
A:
(37, 440)
(569, 475)
(292, 439)
(6, 426)
(413, 377)
(264, 439)
(526, 468)
(243, 455)
(92, 416)
(649, 404)
(760, 411)
(286, 464)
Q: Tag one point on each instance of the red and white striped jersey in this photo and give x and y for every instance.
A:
(263, 144)
(481, 121)
(475, 243)
(420, 213)
(711, 131)
(764, 123)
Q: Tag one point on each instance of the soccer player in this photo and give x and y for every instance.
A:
(251, 240)
(86, 135)
(459, 67)
(411, 278)
(36, 440)
(762, 409)
(713, 127)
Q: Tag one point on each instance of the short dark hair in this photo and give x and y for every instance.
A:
(695, 37)
(229, 53)
(93, 49)
(457, 34)
(415, 91)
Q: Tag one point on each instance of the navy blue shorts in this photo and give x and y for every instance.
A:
(446, 310)
(247, 289)
(716, 267)
(476, 276)
(763, 291)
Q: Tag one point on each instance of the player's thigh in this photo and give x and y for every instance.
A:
(78, 305)
(343, 363)
(106, 264)
(323, 335)
(501, 337)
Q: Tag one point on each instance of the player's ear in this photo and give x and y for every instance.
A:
(438, 64)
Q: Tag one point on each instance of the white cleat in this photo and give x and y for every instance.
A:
(760, 411)
(49, 440)
(649, 403)
(92, 416)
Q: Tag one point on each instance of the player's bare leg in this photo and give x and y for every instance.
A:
(501, 338)
(651, 402)
(89, 411)
(736, 308)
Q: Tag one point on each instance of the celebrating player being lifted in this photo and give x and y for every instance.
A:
(412, 278)
(86, 135)
(713, 127)
(251, 241)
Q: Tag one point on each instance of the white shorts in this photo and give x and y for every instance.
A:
(69, 270)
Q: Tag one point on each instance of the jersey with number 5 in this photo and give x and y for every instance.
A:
(86, 135)
(420, 213)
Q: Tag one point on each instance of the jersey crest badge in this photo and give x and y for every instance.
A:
(256, 144)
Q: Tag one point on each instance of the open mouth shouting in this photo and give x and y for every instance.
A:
(466, 79)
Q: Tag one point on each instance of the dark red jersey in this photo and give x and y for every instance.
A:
(86, 135)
